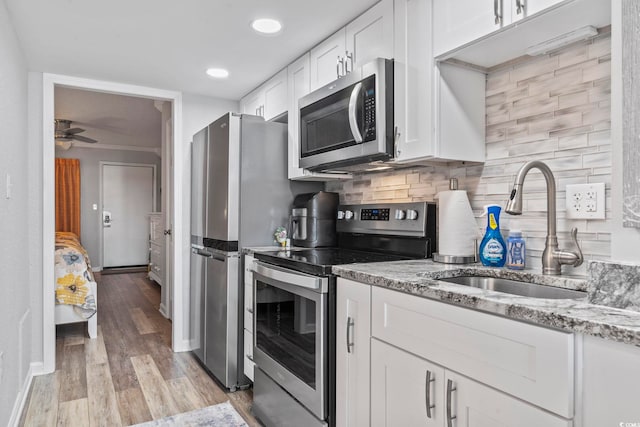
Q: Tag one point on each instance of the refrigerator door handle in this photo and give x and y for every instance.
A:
(203, 253)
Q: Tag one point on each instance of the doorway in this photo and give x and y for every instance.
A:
(49, 83)
(128, 197)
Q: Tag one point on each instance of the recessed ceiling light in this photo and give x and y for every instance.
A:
(266, 25)
(218, 73)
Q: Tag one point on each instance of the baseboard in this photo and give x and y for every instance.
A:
(163, 311)
(96, 269)
(35, 368)
(182, 346)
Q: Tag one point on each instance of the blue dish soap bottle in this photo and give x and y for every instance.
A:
(493, 249)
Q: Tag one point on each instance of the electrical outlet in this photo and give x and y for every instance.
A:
(585, 201)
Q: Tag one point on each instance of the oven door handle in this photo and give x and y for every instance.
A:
(289, 276)
(353, 120)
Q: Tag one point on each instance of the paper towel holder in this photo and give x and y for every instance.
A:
(457, 259)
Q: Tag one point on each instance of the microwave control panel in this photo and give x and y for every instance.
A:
(369, 111)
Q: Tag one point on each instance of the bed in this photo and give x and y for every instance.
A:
(76, 288)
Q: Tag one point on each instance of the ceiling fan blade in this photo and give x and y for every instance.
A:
(83, 139)
(73, 131)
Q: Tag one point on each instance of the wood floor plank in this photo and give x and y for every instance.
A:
(74, 340)
(43, 405)
(156, 392)
(103, 404)
(95, 350)
(206, 386)
(133, 407)
(73, 377)
(164, 357)
(242, 401)
(142, 322)
(184, 393)
(74, 413)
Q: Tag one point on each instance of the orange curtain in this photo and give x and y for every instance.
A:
(68, 195)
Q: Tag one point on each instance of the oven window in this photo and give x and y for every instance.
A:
(286, 330)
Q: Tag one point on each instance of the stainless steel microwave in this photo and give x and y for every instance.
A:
(348, 121)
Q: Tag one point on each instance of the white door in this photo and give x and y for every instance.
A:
(127, 199)
(167, 206)
(275, 96)
(370, 35)
(324, 60)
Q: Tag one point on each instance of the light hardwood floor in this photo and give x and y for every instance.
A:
(127, 375)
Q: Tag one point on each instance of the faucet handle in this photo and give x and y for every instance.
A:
(580, 257)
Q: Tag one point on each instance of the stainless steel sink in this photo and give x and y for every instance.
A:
(516, 288)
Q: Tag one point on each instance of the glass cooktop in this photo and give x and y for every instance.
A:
(318, 261)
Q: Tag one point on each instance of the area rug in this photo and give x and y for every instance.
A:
(223, 415)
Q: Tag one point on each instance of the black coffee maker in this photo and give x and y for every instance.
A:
(313, 219)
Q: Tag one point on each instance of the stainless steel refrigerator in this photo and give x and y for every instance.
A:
(240, 193)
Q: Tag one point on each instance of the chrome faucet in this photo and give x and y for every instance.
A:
(552, 257)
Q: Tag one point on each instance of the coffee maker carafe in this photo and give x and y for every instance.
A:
(313, 219)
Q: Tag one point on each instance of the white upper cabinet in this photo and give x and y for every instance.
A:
(459, 22)
(370, 36)
(269, 100)
(325, 60)
(439, 111)
(367, 37)
(253, 103)
(484, 32)
(413, 77)
(275, 95)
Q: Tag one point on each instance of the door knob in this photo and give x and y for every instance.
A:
(167, 232)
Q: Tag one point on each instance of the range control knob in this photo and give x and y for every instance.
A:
(340, 214)
(400, 214)
(412, 214)
(348, 214)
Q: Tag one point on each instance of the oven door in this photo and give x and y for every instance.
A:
(290, 333)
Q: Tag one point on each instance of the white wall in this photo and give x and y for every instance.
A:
(198, 111)
(15, 317)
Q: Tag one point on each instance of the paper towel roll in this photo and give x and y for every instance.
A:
(457, 225)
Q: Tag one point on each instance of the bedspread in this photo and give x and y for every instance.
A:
(73, 274)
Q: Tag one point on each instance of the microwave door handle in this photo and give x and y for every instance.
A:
(353, 121)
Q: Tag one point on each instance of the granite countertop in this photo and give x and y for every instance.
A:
(420, 278)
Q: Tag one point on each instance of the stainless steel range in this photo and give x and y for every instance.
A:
(294, 307)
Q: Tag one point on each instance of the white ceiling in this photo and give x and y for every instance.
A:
(169, 44)
(109, 118)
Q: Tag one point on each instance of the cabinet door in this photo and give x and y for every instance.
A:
(370, 35)
(413, 80)
(324, 60)
(531, 7)
(476, 405)
(248, 355)
(405, 389)
(353, 332)
(459, 22)
(253, 103)
(275, 95)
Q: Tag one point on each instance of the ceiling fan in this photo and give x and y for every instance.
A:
(65, 134)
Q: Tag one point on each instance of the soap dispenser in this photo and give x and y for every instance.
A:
(493, 249)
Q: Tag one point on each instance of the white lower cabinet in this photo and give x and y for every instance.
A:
(434, 364)
(353, 332)
(248, 316)
(407, 390)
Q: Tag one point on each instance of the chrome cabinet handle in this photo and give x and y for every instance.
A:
(519, 6)
(338, 67)
(350, 324)
(249, 357)
(496, 11)
(353, 121)
(348, 60)
(430, 406)
(396, 137)
(450, 389)
(250, 310)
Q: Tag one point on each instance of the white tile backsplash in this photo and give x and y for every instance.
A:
(554, 108)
